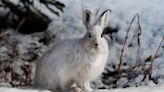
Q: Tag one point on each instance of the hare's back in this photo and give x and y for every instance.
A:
(61, 52)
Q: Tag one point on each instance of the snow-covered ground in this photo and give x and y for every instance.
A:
(69, 24)
(159, 88)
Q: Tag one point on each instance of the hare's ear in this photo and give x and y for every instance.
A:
(87, 18)
(103, 19)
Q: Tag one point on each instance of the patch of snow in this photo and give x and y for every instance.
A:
(158, 88)
(5, 89)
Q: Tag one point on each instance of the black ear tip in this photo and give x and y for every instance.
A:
(108, 10)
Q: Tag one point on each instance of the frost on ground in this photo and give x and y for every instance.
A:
(4, 89)
(159, 88)
(19, 52)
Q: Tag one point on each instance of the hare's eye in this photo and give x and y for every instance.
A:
(89, 35)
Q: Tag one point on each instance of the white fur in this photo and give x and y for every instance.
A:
(77, 60)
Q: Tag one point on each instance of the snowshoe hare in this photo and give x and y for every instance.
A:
(75, 61)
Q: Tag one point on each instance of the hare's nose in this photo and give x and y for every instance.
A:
(96, 44)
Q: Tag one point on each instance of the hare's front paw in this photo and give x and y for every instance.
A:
(75, 89)
(85, 87)
(89, 89)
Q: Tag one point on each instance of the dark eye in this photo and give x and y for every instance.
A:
(89, 35)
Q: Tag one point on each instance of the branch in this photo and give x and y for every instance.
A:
(153, 59)
(123, 48)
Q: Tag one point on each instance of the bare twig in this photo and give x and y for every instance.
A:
(148, 72)
(119, 70)
(8, 68)
(153, 59)
(138, 38)
(125, 41)
(20, 24)
(139, 31)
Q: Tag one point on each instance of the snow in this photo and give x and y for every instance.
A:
(25, 50)
(159, 88)
(69, 25)
(5, 89)
(138, 89)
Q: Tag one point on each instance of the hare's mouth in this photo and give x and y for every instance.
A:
(96, 47)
